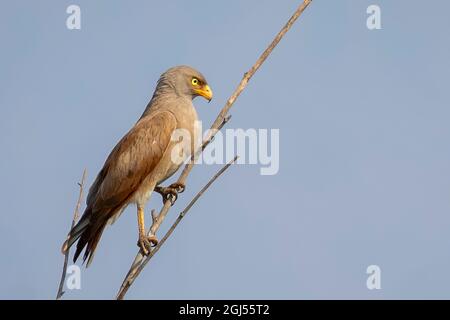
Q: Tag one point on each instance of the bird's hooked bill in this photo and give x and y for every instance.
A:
(206, 92)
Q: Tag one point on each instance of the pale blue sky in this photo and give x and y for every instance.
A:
(364, 157)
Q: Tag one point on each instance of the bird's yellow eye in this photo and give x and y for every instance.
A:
(194, 81)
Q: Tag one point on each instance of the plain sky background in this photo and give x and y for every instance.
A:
(364, 153)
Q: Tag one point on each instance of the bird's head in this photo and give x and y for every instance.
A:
(185, 80)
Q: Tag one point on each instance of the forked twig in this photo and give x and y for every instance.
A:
(76, 215)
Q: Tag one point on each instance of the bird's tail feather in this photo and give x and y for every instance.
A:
(87, 232)
(89, 238)
(75, 233)
(91, 245)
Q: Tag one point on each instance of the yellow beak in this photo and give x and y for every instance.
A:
(205, 91)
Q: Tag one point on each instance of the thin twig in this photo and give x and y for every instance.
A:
(221, 119)
(245, 79)
(126, 285)
(76, 215)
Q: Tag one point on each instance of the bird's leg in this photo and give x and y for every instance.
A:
(144, 242)
(171, 192)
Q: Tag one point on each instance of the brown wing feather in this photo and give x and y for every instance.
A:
(129, 163)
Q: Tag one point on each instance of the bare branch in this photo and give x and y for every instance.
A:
(134, 272)
(76, 215)
(139, 261)
(154, 216)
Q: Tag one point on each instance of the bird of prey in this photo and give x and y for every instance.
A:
(141, 161)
